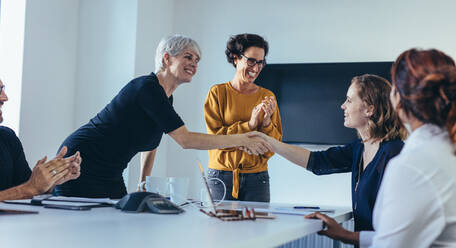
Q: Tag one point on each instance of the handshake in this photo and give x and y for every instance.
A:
(257, 143)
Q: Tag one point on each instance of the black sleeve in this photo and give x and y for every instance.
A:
(153, 100)
(337, 159)
(21, 169)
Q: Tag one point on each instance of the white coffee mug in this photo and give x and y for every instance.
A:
(155, 184)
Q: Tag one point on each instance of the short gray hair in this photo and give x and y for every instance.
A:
(174, 45)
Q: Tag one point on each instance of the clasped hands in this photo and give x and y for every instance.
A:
(265, 109)
(46, 175)
(257, 143)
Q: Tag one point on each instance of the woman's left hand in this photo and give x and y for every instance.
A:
(269, 105)
(334, 230)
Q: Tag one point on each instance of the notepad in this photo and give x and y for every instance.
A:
(63, 200)
(293, 211)
(22, 201)
(73, 204)
(15, 211)
(82, 199)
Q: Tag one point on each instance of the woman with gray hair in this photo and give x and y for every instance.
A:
(135, 120)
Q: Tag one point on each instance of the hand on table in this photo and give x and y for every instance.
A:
(334, 230)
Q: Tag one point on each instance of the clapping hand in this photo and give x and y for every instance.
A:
(46, 174)
(255, 116)
(268, 106)
(74, 165)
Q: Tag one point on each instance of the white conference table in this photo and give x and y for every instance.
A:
(109, 227)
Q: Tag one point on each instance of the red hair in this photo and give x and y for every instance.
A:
(426, 82)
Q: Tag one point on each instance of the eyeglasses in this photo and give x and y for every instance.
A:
(253, 62)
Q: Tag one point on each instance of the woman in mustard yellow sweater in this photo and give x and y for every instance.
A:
(241, 106)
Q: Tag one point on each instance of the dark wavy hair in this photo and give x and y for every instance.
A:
(384, 124)
(237, 44)
(426, 82)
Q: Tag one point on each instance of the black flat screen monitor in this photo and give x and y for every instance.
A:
(309, 97)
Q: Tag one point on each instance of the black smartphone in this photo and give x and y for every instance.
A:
(67, 207)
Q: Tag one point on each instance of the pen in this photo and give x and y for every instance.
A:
(306, 207)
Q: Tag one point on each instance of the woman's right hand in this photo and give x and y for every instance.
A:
(46, 174)
(334, 230)
(255, 145)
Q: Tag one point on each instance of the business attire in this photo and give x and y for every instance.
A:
(133, 121)
(365, 183)
(14, 169)
(416, 205)
(228, 112)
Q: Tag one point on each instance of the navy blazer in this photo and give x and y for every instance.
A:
(347, 159)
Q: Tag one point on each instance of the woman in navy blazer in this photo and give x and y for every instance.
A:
(368, 110)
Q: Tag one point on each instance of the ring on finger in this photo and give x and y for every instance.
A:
(54, 172)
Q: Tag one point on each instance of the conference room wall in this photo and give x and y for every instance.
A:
(48, 76)
(12, 27)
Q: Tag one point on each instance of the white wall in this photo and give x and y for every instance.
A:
(12, 25)
(106, 54)
(49, 67)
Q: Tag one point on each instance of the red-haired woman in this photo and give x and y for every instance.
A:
(416, 204)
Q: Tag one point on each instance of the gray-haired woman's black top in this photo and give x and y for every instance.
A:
(133, 121)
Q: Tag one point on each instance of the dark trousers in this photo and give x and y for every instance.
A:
(252, 186)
